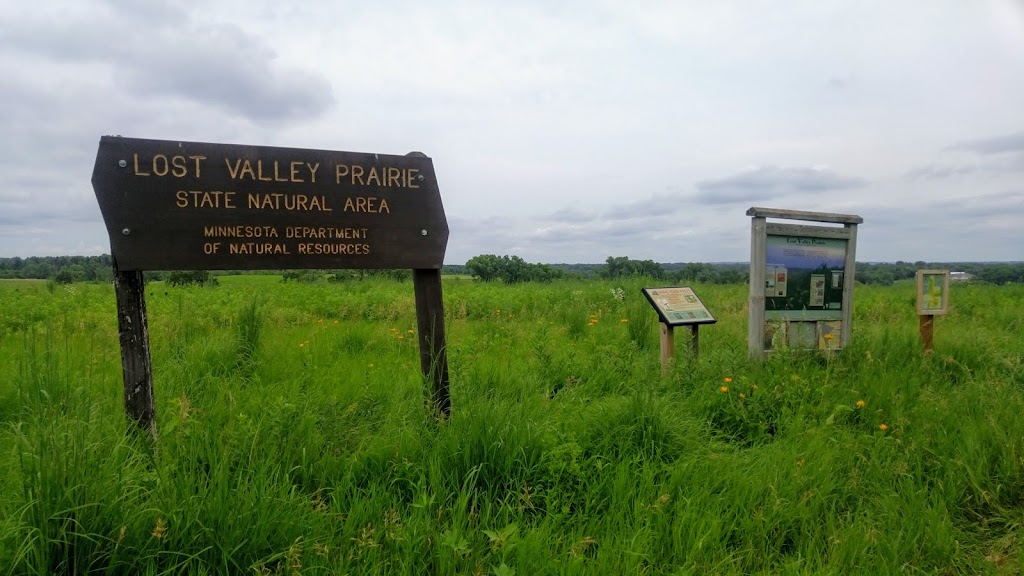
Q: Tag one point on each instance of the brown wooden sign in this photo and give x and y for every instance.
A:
(197, 206)
(174, 205)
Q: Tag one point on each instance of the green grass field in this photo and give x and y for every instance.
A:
(294, 438)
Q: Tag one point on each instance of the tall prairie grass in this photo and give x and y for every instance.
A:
(293, 436)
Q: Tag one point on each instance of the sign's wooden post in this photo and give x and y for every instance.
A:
(932, 301)
(668, 347)
(135, 360)
(927, 323)
(433, 349)
(695, 340)
(677, 306)
(203, 206)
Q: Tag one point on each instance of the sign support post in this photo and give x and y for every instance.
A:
(133, 332)
(668, 348)
(430, 325)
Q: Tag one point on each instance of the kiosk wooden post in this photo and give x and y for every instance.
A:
(203, 206)
(677, 306)
(932, 301)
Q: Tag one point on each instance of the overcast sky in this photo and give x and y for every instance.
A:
(561, 131)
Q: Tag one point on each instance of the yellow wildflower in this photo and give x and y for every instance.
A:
(724, 388)
(727, 379)
(883, 427)
(860, 403)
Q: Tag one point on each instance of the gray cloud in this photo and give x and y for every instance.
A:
(656, 205)
(994, 145)
(768, 182)
(157, 52)
(568, 215)
(939, 171)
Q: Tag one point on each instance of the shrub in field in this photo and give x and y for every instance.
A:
(191, 278)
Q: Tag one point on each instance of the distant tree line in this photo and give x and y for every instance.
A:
(65, 269)
(507, 269)
(886, 274)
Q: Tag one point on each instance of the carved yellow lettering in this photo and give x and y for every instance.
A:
(178, 167)
(373, 176)
(233, 170)
(294, 175)
(340, 171)
(277, 176)
(157, 169)
(182, 199)
(247, 168)
(197, 159)
(412, 181)
(137, 173)
(357, 172)
(312, 171)
(259, 171)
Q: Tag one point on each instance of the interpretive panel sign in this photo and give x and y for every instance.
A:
(932, 292)
(678, 305)
(172, 205)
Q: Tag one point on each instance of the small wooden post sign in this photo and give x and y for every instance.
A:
(932, 300)
(677, 306)
(171, 205)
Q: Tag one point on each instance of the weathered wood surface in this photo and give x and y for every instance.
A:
(431, 333)
(755, 307)
(171, 205)
(927, 328)
(849, 275)
(775, 229)
(758, 212)
(668, 348)
(133, 332)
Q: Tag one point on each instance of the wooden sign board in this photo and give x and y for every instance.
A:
(932, 292)
(678, 306)
(172, 205)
